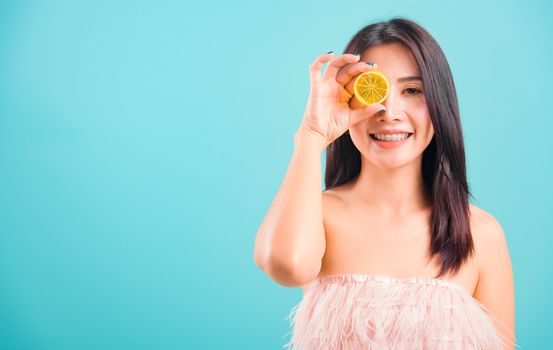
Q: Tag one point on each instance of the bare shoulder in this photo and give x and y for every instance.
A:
(333, 197)
(488, 236)
(487, 231)
(495, 287)
(482, 219)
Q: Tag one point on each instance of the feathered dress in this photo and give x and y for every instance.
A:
(359, 311)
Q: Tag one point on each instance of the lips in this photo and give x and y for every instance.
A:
(374, 137)
(390, 144)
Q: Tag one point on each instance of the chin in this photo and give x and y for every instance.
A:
(391, 165)
(392, 162)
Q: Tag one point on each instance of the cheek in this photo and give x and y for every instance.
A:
(421, 118)
(426, 132)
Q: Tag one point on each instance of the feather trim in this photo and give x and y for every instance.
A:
(356, 311)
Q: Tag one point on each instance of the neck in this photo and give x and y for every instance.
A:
(392, 192)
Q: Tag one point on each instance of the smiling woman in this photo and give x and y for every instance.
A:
(391, 255)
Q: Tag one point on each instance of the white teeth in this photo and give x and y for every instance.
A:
(391, 137)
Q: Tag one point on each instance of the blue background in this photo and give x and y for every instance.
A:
(141, 144)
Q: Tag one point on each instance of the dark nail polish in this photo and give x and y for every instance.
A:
(329, 52)
(370, 63)
(382, 111)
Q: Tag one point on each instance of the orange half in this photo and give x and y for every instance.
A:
(371, 87)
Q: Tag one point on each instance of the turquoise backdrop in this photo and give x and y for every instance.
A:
(141, 143)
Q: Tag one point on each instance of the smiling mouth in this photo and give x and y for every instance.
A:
(388, 138)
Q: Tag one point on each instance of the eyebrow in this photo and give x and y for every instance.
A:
(410, 78)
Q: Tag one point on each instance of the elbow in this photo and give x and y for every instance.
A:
(289, 266)
(289, 273)
(279, 269)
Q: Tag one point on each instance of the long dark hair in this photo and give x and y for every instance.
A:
(443, 161)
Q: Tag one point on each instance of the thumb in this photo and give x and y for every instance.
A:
(360, 114)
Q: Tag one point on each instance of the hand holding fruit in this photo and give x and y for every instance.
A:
(328, 113)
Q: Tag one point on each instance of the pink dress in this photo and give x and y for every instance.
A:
(359, 311)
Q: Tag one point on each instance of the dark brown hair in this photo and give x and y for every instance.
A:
(443, 161)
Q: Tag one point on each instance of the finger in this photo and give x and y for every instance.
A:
(348, 72)
(337, 63)
(315, 67)
(360, 114)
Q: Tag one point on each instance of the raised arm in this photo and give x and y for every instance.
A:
(290, 243)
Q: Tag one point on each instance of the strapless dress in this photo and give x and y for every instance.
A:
(360, 311)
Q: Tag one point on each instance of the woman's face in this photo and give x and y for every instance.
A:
(405, 110)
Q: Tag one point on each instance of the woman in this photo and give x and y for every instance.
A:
(391, 255)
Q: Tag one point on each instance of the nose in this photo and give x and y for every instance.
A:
(394, 108)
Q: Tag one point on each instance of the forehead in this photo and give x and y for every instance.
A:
(394, 60)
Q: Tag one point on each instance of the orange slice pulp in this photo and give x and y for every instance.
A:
(371, 87)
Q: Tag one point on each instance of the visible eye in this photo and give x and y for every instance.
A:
(412, 91)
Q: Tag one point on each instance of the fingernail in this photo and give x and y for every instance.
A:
(357, 54)
(382, 111)
(329, 52)
(370, 63)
